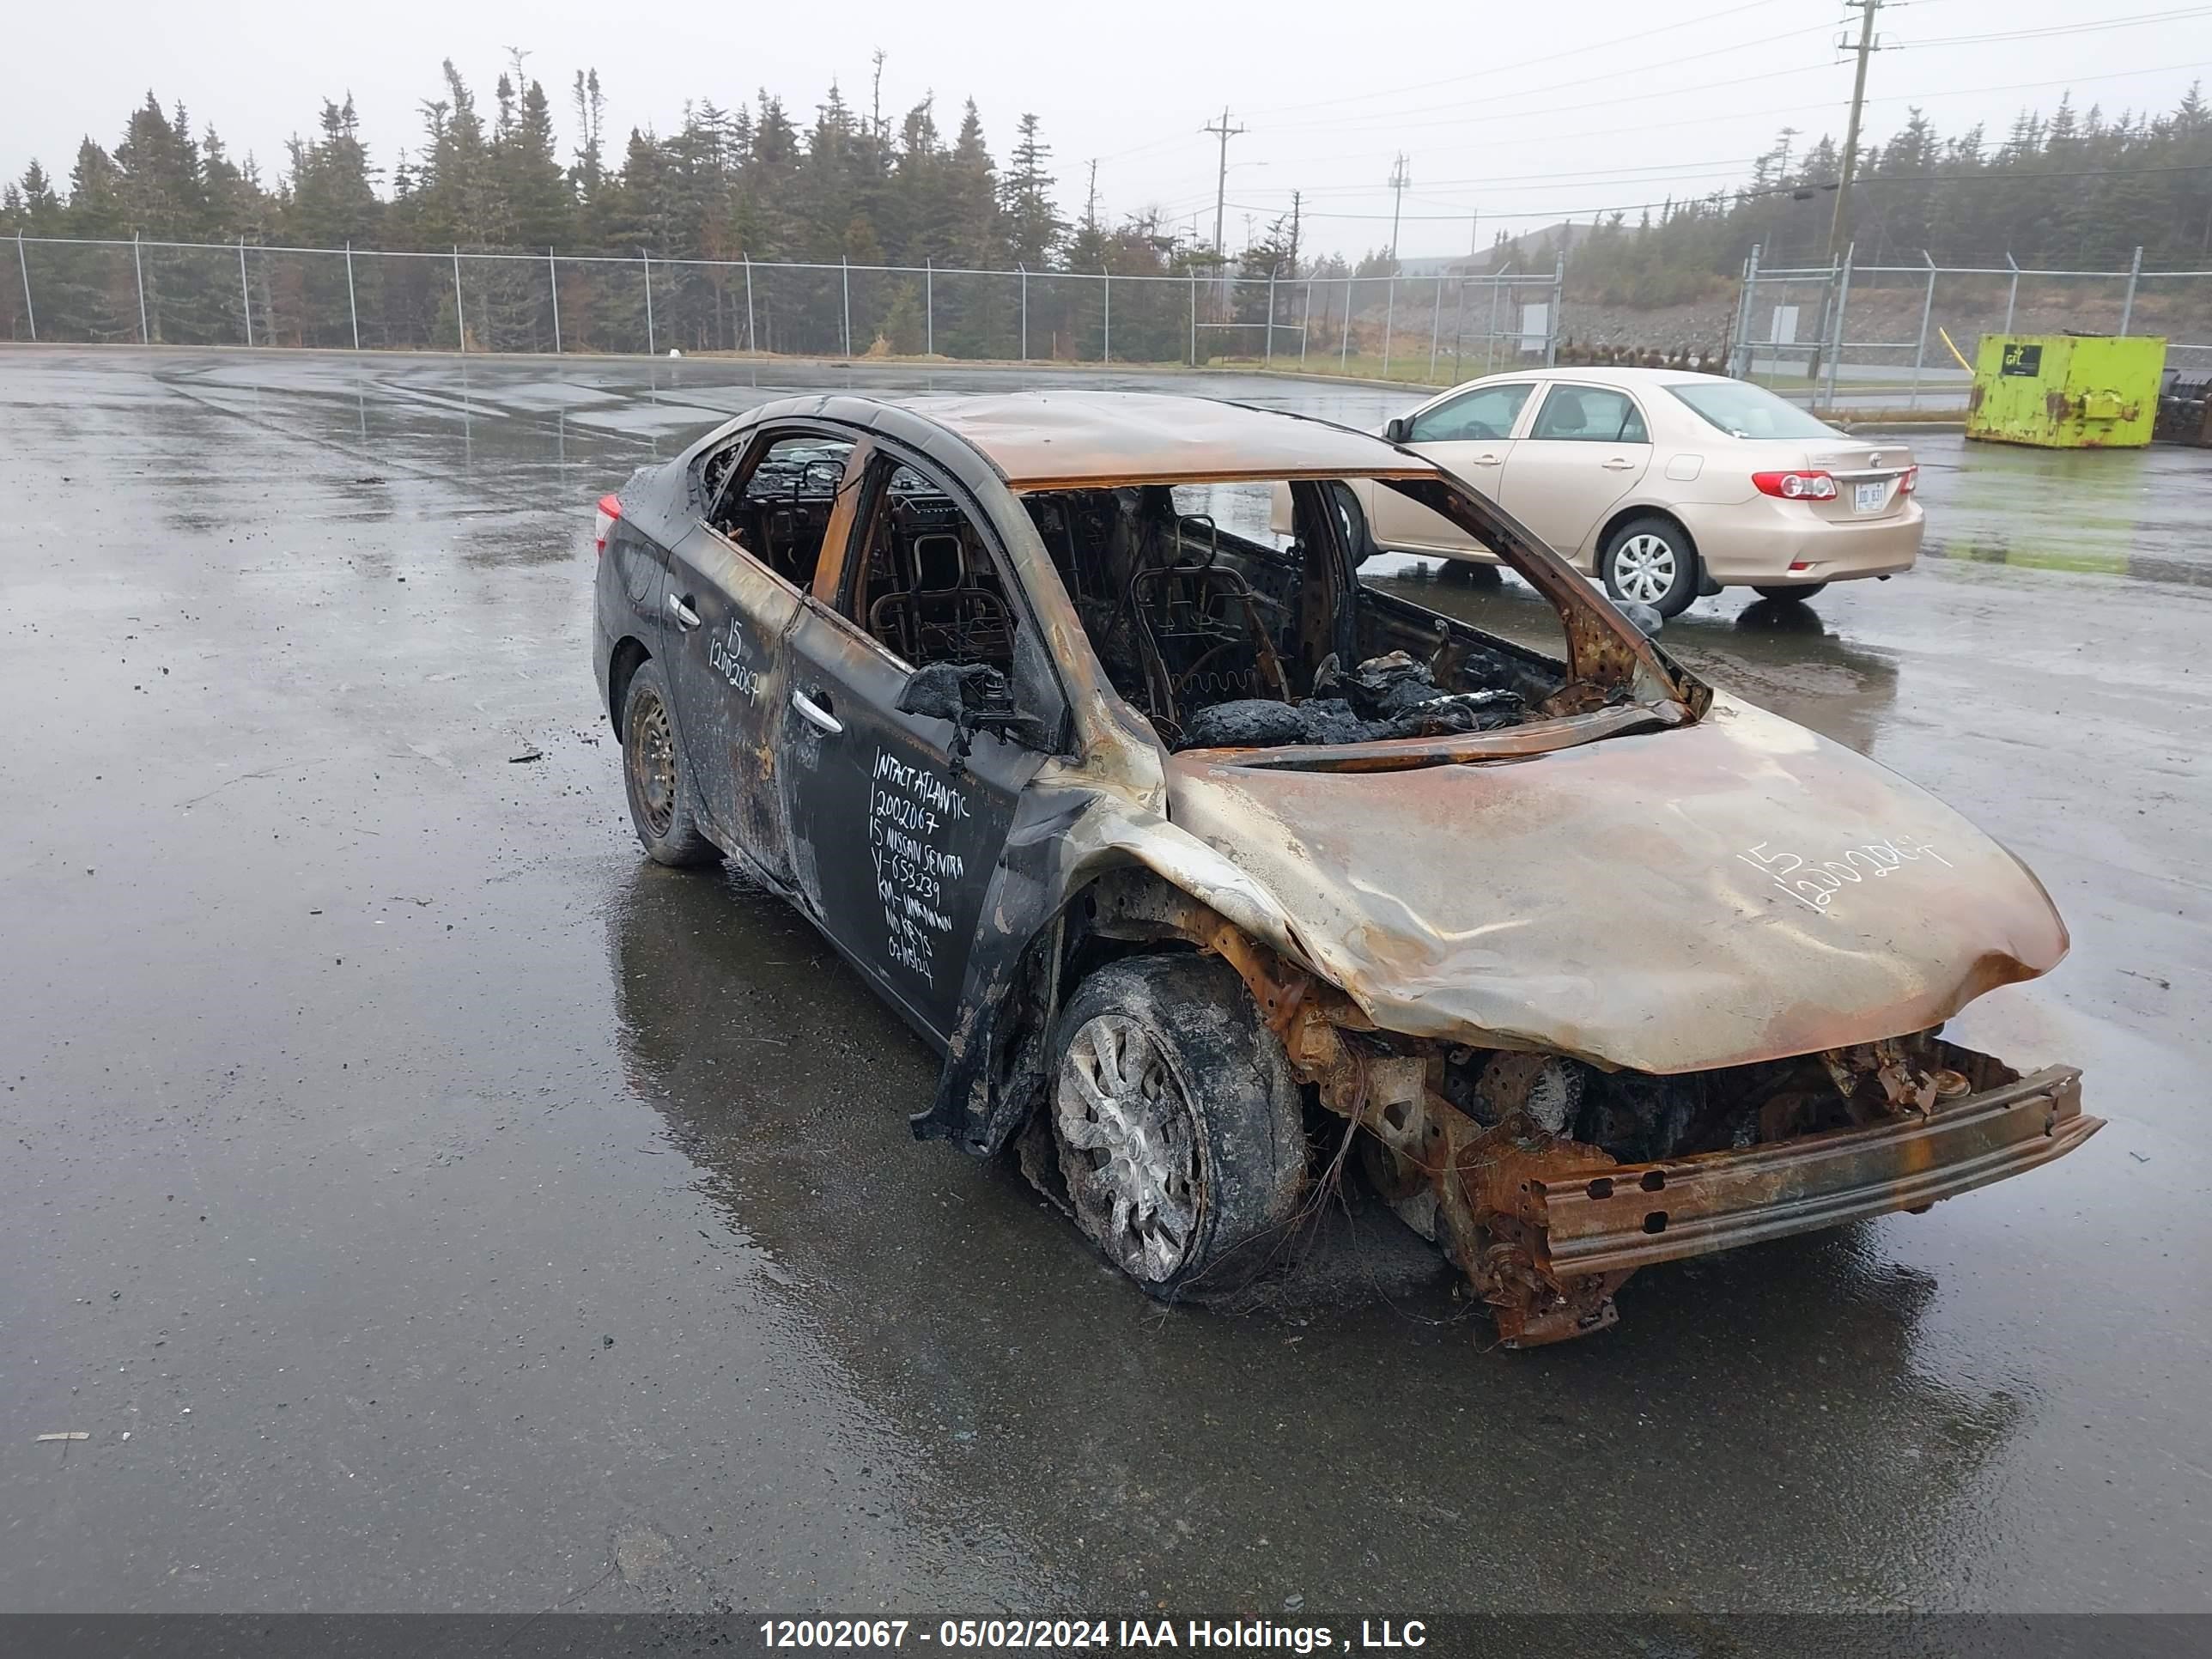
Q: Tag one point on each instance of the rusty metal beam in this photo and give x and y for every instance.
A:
(1605, 1221)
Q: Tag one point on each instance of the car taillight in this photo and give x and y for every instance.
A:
(1910, 478)
(609, 513)
(1796, 486)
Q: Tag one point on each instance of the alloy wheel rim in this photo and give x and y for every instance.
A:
(1644, 569)
(1130, 1146)
(653, 764)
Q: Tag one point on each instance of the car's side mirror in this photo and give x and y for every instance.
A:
(1397, 429)
(1647, 620)
(973, 697)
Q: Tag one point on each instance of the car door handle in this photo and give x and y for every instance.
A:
(1617, 463)
(681, 609)
(1485, 460)
(814, 714)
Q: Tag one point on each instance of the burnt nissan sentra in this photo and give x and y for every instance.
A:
(1213, 873)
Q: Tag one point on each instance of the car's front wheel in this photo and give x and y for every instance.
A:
(663, 800)
(1177, 1122)
(1651, 560)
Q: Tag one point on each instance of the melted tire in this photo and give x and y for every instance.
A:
(1233, 1080)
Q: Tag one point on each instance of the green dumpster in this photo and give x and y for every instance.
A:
(2066, 390)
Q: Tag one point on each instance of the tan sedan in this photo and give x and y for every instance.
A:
(1663, 484)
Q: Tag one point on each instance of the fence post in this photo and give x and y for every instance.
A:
(1025, 270)
(751, 343)
(845, 276)
(553, 283)
(353, 309)
(2011, 295)
(1490, 341)
(1558, 317)
(1747, 300)
(1390, 317)
(928, 307)
(1920, 351)
(460, 317)
(1305, 324)
(138, 265)
(1436, 323)
(1194, 314)
(2128, 305)
(30, 312)
(1344, 351)
(1459, 330)
(245, 295)
(652, 349)
(1267, 352)
(1106, 349)
(1843, 307)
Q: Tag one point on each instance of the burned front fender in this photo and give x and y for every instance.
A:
(1069, 830)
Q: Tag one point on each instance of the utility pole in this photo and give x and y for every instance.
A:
(1225, 132)
(1296, 198)
(1866, 10)
(1090, 201)
(1398, 181)
(1474, 236)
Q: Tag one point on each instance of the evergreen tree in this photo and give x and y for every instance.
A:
(1033, 229)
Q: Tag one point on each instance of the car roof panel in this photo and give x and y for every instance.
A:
(1088, 439)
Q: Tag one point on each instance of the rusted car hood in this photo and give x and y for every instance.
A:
(1735, 890)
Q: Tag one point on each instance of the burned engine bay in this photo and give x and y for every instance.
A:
(1222, 641)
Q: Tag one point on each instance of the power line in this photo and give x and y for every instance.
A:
(1510, 69)
(1926, 95)
(2135, 22)
(1504, 183)
(2023, 175)
(1396, 116)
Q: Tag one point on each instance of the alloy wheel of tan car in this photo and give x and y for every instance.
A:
(1135, 1179)
(1643, 568)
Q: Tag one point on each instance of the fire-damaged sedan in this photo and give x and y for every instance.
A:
(1200, 860)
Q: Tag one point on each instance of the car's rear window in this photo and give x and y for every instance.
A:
(1743, 411)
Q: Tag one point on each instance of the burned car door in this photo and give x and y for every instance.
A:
(735, 583)
(898, 818)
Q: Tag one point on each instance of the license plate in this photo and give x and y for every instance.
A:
(1872, 497)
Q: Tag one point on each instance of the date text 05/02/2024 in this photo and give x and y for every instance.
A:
(1061, 1635)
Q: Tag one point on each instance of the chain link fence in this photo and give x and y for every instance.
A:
(1418, 329)
(1848, 335)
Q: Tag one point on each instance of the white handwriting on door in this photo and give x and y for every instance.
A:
(909, 808)
(726, 655)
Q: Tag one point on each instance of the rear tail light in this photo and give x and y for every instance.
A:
(1796, 486)
(1911, 477)
(609, 513)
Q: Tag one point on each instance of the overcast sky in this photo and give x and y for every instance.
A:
(1527, 114)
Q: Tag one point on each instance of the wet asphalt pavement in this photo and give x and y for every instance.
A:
(422, 1201)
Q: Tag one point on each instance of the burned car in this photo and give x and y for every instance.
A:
(1211, 870)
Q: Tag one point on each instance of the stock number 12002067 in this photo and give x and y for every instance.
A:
(840, 1633)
